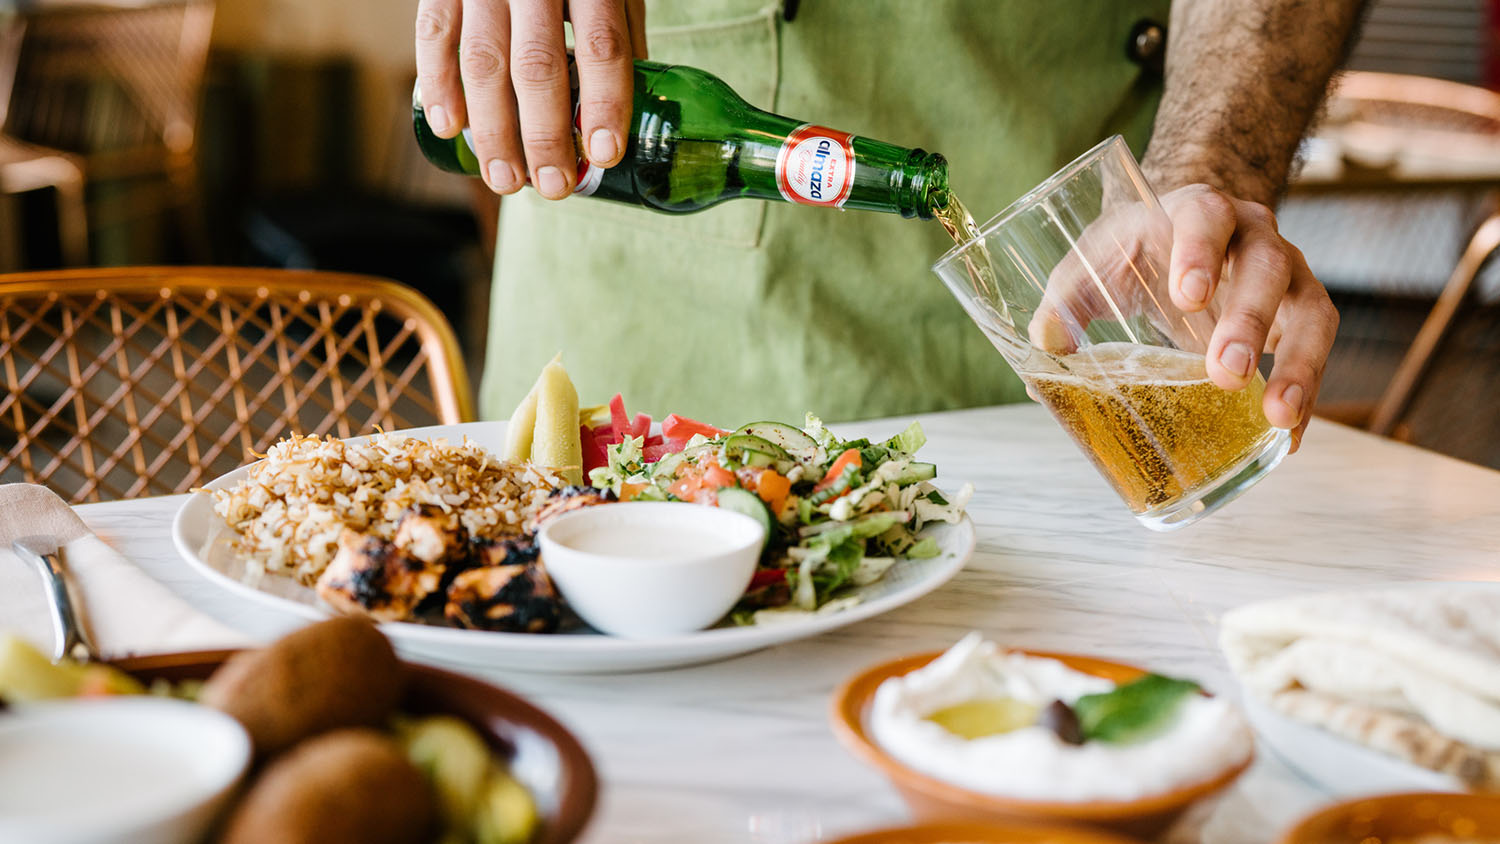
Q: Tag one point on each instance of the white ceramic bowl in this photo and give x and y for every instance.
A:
(647, 569)
(117, 770)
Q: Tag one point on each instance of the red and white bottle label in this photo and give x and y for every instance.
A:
(589, 176)
(816, 166)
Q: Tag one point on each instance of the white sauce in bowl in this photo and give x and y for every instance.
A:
(1207, 737)
(634, 541)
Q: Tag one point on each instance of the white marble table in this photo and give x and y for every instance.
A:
(740, 751)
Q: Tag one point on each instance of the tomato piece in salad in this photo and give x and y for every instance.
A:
(619, 423)
(840, 465)
(717, 476)
(594, 452)
(676, 427)
(767, 577)
(686, 487)
(652, 452)
(773, 488)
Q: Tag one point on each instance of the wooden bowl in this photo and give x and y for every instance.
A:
(930, 798)
(544, 756)
(1462, 817)
(985, 833)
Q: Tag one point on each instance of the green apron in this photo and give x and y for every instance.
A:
(767, 310)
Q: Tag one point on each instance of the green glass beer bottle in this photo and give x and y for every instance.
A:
(693, 143)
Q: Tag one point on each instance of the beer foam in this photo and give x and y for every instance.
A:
(1132, 363)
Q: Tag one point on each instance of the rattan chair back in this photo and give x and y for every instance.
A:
(119, 383)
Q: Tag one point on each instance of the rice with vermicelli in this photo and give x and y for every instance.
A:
(289, 512)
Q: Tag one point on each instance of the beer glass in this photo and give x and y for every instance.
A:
(1070, 285)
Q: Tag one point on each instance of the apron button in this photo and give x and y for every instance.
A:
(1147, 46)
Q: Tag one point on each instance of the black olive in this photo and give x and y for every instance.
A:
(1060, 718)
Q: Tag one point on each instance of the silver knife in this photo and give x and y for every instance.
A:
(68, 635)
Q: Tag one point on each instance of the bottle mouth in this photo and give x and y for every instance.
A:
(930, 187)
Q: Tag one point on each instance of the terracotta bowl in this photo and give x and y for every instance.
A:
(1389, 817)
(930, 798)
(544, 756)
(985, 833)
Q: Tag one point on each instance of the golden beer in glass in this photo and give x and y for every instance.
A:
(1151, 420)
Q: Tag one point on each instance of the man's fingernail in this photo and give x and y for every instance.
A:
(437, 118)
(1195, 286)
(551, 182)
(502, 176)
(1292, 398)
(602, 146)
(1237, 358)
(1049, 334)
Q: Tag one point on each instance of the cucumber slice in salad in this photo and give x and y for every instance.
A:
(916, 473)
(751, 450)
(792, 441)
(747, 502)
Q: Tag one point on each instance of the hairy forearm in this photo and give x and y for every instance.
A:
(1243, 80)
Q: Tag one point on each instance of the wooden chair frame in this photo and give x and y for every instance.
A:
(149, 313)
(1362, 89)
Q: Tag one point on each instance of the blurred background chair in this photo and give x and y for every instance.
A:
(117, 83)
(1396, 210)
(147, 381)
(27, 167)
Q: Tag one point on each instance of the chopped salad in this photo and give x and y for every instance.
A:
(838, 513)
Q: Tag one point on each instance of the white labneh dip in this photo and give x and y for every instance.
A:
(1206, 737)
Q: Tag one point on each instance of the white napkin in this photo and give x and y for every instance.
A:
(123, 610)
(1386, 667)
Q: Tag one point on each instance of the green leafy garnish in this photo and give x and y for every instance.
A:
(908, 441)
(1132, 711)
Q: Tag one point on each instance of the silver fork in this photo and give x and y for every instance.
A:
(68, 634)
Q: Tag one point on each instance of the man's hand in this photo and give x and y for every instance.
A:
(500, 67)
(1250, 289)
(1270, 301)
(1243, 81)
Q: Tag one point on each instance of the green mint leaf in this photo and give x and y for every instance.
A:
(1132, 711)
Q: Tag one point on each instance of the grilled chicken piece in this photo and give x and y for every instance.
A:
(431, 535)
(517, 596)
(504, 552)
(372, 577)
(569, 498)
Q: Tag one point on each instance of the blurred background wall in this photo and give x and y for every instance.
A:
(296, 37)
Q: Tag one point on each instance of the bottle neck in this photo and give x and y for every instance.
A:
(921, 186)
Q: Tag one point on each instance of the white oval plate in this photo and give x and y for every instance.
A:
(1338, 765)
(203, 539)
